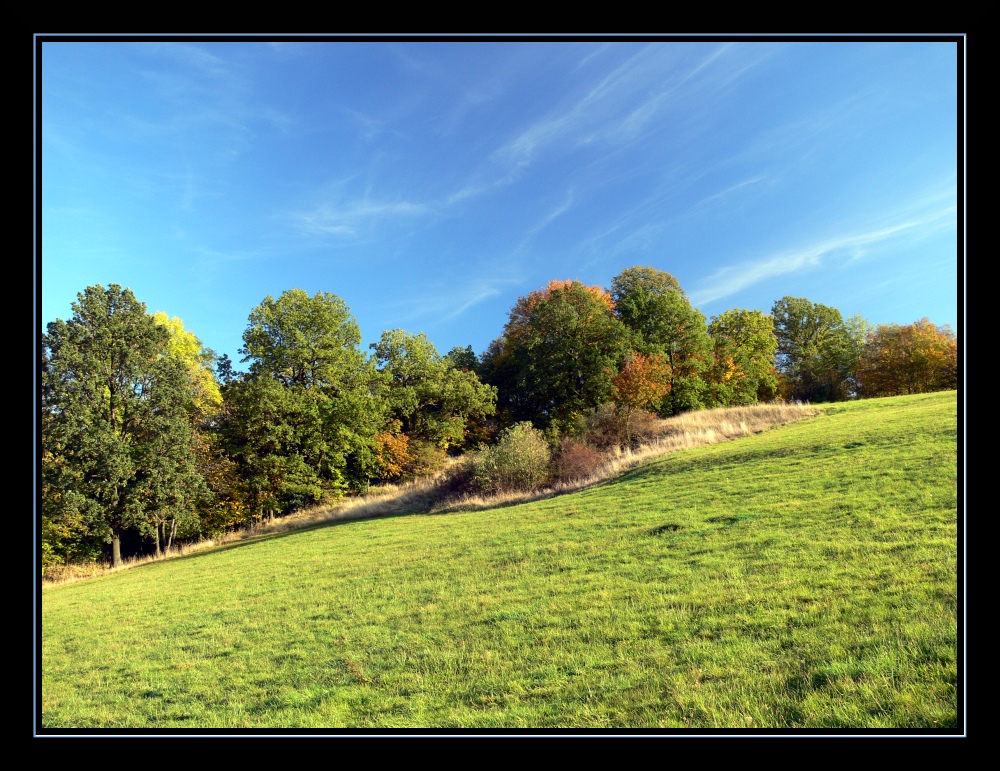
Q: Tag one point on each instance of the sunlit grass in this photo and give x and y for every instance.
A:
(804, 577)
(692, 429)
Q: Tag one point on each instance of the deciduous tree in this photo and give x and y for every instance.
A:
(430, 396)
(558, 354)
(652, 304)
(910, 359)
(743, 370)
(199, 362)
(816, 351)
(204, 399)
(316, 435)
(115, 426)
(641, 384)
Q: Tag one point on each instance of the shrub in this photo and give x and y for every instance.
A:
(519, 462)
(609, 427)
(644, 428)
(392, 454)
(605, 428)
(425, 459)
(458, 479)
(576, 460)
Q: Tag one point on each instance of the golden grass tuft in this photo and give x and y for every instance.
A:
(425, 495)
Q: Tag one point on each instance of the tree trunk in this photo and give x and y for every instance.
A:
(173, 532)
(156, 538)
(116, 548)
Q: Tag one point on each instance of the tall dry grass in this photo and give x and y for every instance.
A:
(430, 494)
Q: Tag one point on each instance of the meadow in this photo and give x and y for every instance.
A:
(805, 577)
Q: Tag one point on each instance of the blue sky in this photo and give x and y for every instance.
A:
(430, 184)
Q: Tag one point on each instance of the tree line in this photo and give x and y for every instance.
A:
(147, 437)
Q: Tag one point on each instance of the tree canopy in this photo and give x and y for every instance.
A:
(310, 342)
(559, 352)
(815, 350)
(428, 394)
(198, 361)
(318, 426)
(114, 419)
(909, 359)
(743, 370)
(141, 440)
(652, 304)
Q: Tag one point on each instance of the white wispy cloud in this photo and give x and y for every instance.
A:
(614, 110)
(474, 295)
(353, 218)
(576, 118)
(619, 107)
(473, 190)
(597, 51)
(732, 279)
(523, 247)
(436, 304)
(186, 54)
(715, 197)
(558, 211)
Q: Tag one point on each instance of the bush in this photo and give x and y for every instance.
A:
(605, 429)
(458, 479)
(609, 427)
(644, 428)
(576, 460)
(425, 459)
(519, 462)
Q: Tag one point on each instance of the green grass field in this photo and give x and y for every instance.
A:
(805, 577)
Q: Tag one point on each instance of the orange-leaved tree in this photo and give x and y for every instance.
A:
(392, 453)
(909, 359)
(642, 383)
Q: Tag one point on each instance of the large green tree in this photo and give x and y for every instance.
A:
(302, 422)
(428, 394)
(275, 436)
(817, 351)
(309, 342)
(559, 353)
(117, 441)
(652, 304)
(743, 370)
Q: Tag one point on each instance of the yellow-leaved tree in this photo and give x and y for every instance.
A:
(909, 359)
(203, 402)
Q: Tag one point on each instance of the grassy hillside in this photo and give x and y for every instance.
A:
(803, 577)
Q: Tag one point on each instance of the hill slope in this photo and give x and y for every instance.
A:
(803, 577)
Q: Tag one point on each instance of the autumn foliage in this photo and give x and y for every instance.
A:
(576, 460)
(525, 307)
(559, 350)
(911, 359)
(392, 453)
(167, 451)
(642, 382)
